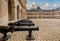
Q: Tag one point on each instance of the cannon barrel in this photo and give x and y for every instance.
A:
(23, 28)
(17, 28)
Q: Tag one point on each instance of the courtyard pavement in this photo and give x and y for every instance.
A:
(49, 30)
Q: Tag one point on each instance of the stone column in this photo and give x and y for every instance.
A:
(3, 12)
(37, 15)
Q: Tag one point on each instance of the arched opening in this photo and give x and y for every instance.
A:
(11, 15)
(17, 12)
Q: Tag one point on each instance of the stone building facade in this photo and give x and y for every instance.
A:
(12, 10)
(43, 14)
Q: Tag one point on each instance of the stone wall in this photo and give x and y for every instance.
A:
(15, 4)
(3, 12)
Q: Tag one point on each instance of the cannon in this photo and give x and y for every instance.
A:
(25, 22)
(21, 25)
(5, 29)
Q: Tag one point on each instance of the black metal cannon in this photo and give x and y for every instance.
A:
(28, 23)
(5, 29)
(22, 25)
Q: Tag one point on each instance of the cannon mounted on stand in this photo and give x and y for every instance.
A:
(21, 25)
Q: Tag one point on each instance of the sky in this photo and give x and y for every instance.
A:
(44, 4)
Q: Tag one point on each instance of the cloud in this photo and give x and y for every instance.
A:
(54, 5)
(46, 5)
(33, 3)
(28, 6)
(49, 5)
